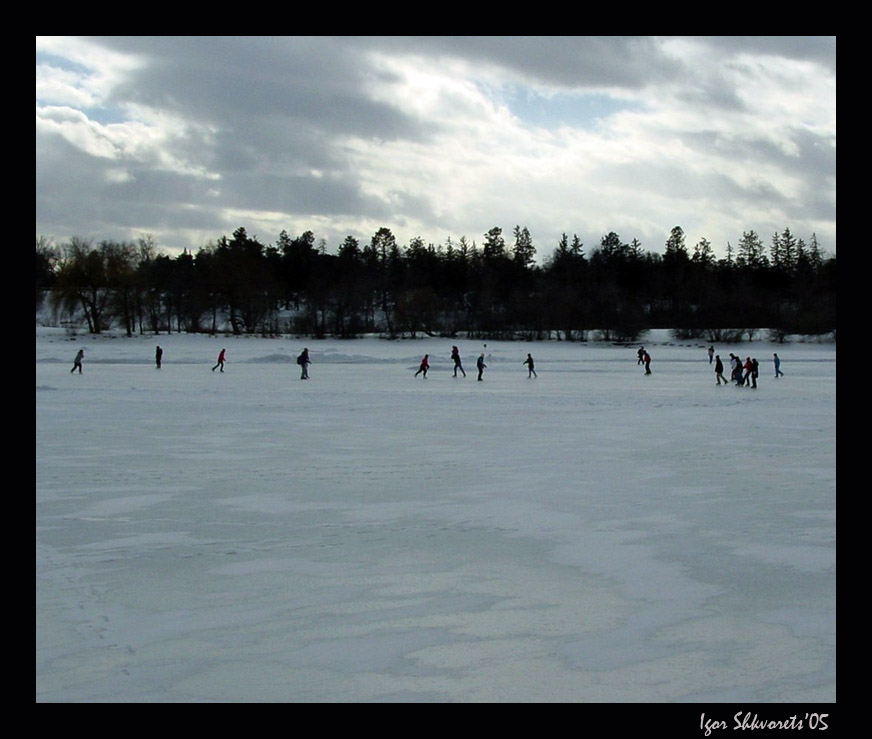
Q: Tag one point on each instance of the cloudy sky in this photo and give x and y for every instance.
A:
(189, 138)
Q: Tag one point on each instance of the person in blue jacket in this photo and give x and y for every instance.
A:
(480, 365)
(777, 362)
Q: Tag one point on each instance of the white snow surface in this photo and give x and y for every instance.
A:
(592, 535)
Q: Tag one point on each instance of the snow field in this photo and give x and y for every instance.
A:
(593, 535)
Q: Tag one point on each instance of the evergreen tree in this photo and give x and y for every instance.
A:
(523, 251)
(783, 254)
(494, 245)
(676, 248)
(384, 249)
(564, 284)
(750, 252)
(703, 254)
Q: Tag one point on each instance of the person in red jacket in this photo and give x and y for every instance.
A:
(220, 361)
(749, 368)
(425, 365)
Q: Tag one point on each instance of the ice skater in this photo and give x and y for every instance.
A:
(711, 353)
(747, 367)
(220, 362)
(480, 365)
(529, 362)
(424, 366)
(641, 356)
(647, 359)
(755, 371)
(304, 362)
(735, 369)
(455, 355)
(777, 362)
(719, 370)
(77, 362)
(158, 356)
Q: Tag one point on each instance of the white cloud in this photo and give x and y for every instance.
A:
(75, 71)
(444, 136)
(80, 131)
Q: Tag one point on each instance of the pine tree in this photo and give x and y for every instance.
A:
(749, 252)
(523, 252)
(494, 244)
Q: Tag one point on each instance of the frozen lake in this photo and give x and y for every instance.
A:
(592, 535)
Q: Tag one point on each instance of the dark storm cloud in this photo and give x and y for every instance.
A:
(307, 82)
(583, 62)
(820, 50)
(272, 108)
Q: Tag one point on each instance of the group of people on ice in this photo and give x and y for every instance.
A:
(302, 360)
(742, 374)
(480, 365)
(644, 358)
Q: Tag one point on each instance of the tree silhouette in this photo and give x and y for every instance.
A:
(238, 284)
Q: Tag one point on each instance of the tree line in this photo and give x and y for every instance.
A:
(493, 290)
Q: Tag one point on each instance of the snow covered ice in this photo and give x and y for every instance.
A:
(592, 535)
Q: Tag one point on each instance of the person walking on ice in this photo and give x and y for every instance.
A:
(424, 366)
(304, 362)
(529, 362)
(647, 359)
(480, 365)
(748, 368)
(455, 355)
(777, 362)
(158, 356)
(735, 368)
(220, 362)
(719, 370)
(77, 362)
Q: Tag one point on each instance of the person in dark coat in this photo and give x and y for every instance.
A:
(158, 356)
(77, 362)
(719, 370)
(529, 362)
(304, 362)
(455, 355)
(480, 365)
